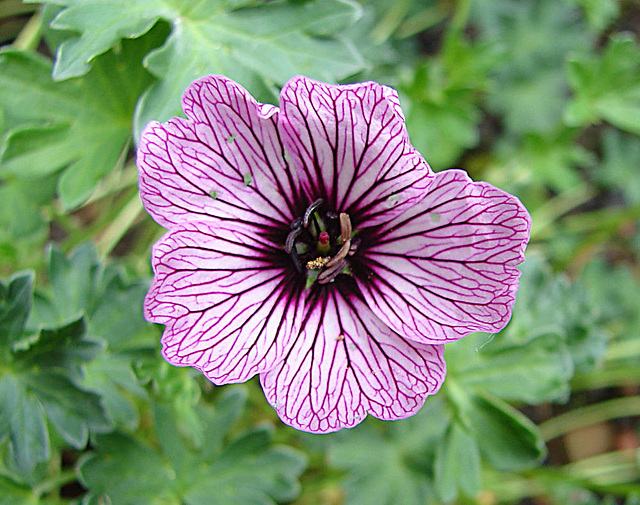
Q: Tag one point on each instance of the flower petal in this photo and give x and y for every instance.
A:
(228, 308)
(225, 161)
(447, 267)
(349, 145)
(346, 363)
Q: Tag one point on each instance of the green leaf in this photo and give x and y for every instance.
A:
(599, 13)
(38, 374)
(81, 126)
(457, 464)
(530, 86)
(13, 493)
(127, 471)
(48, 368)
(82, 285)
(443, 113)
(15, 304)
(552, 304)
(388, 464)
(61, 349)
(620, 163)
(70, 410)
(22, 200)
(533, 372)
(22, 421)
(551, 159)
(507, 439)
(608, 87)
(249, 470)
(260, 45)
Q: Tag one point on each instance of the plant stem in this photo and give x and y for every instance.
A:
(29, 38)
(119, 226)
(55, 482)
(591, 414)
(544, 217)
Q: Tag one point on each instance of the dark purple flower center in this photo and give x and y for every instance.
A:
(320, 243)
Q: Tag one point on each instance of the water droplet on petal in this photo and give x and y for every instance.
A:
(393, 200)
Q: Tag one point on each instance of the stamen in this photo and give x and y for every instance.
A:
(342, 253)
(345, 227)
(354, 246)
(291, 239)
(329, 274)
(296, 260)
(317, 263)
(310, 210)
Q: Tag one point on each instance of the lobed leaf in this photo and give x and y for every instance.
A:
(391, 464)
(256, 46)
(80, 127)
(248, 469)
(530, 87)
(457, 464)
(81, 285)
(15, 304)
(607, 87)
(39, 370)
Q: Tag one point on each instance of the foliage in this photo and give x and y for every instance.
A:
(540, 97)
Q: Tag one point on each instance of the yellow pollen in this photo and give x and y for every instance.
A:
(317, 263)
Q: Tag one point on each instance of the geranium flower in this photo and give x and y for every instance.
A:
(313, 245)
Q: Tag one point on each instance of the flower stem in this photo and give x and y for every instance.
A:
(119, 226)
(591, 414)
(460, 17)
(55, 482)
(29, 37)
(546, 215)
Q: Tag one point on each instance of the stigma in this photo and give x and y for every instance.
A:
(322, 241)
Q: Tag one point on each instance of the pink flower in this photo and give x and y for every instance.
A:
(313, 245)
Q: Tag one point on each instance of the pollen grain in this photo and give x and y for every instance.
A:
(317, 263)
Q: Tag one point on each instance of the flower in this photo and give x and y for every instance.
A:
(312, 244)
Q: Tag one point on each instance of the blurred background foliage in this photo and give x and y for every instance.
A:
(539, 97)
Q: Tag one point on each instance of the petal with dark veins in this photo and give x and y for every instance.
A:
(229, 310)
(346, 363)
(225, 160)
(348, 144)
(447, 267)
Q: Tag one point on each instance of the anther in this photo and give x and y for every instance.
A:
(310, 210)
(317, 263)
(331, 272)
(345, 227)
(291, 239)
(342, 254)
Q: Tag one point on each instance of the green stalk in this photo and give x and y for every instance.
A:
(615, 472)
(602, 219)
(591, 414)
(607, 377)
(29, 38)
(460, 17)
(116, 181)
(391, 20)
(119, 226)
(546, 215)
(55, 483)
(606, 469)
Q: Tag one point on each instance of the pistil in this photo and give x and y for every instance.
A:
(313, 238)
